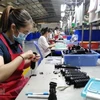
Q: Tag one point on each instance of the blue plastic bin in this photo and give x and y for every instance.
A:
(81, 59)
(69, 37)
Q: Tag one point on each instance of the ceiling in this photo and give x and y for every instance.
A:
(42, 10)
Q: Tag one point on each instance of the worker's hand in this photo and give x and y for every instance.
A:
(28, 55)
(36, 58)
(53, 44)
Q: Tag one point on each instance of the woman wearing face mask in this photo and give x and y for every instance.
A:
(57, 34)
(43, 44)
(12, 59)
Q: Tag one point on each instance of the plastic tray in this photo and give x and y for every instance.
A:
(92, 90)
(60, 45)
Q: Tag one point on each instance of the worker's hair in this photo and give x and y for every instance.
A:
(19, 17)
(56, 28)
(45, 30)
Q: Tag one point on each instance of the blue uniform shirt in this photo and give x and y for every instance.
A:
(4, 51)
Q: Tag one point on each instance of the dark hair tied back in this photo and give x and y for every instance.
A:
(44, 30)
(17, 16)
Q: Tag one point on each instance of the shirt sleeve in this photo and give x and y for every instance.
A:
(44, 43)
(55, 32)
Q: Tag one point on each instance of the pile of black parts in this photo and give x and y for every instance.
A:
(73, 75)
(77, 50)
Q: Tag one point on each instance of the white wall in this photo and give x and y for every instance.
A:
(34, 29)
(50, 25)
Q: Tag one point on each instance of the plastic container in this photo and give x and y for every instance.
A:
(92, 90)
(69, 37)
(81, 59)
(94, 45)
(60, 45)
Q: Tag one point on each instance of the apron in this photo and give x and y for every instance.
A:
(10, 89)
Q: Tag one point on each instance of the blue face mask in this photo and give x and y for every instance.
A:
(20, 38)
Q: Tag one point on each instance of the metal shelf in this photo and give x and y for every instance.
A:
(91, 24)
(95, 22)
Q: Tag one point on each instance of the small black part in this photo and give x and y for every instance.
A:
(80, 83)
(66, 66)
(32, 65)
(33, 75)
(41, 73)
(35, 53)
(52, 90)
(55, 72)
(59, 76)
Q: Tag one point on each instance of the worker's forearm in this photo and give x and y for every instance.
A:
(52, 45)
(7, 70)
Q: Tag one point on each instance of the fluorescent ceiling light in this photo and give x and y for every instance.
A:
(60, 21)
(63, 7)
(0, 12)
(62, 14)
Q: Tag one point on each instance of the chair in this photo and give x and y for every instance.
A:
(38, 49)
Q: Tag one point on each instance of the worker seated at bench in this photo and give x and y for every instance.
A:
(43, 42)
(44, 45)
(13, 60)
